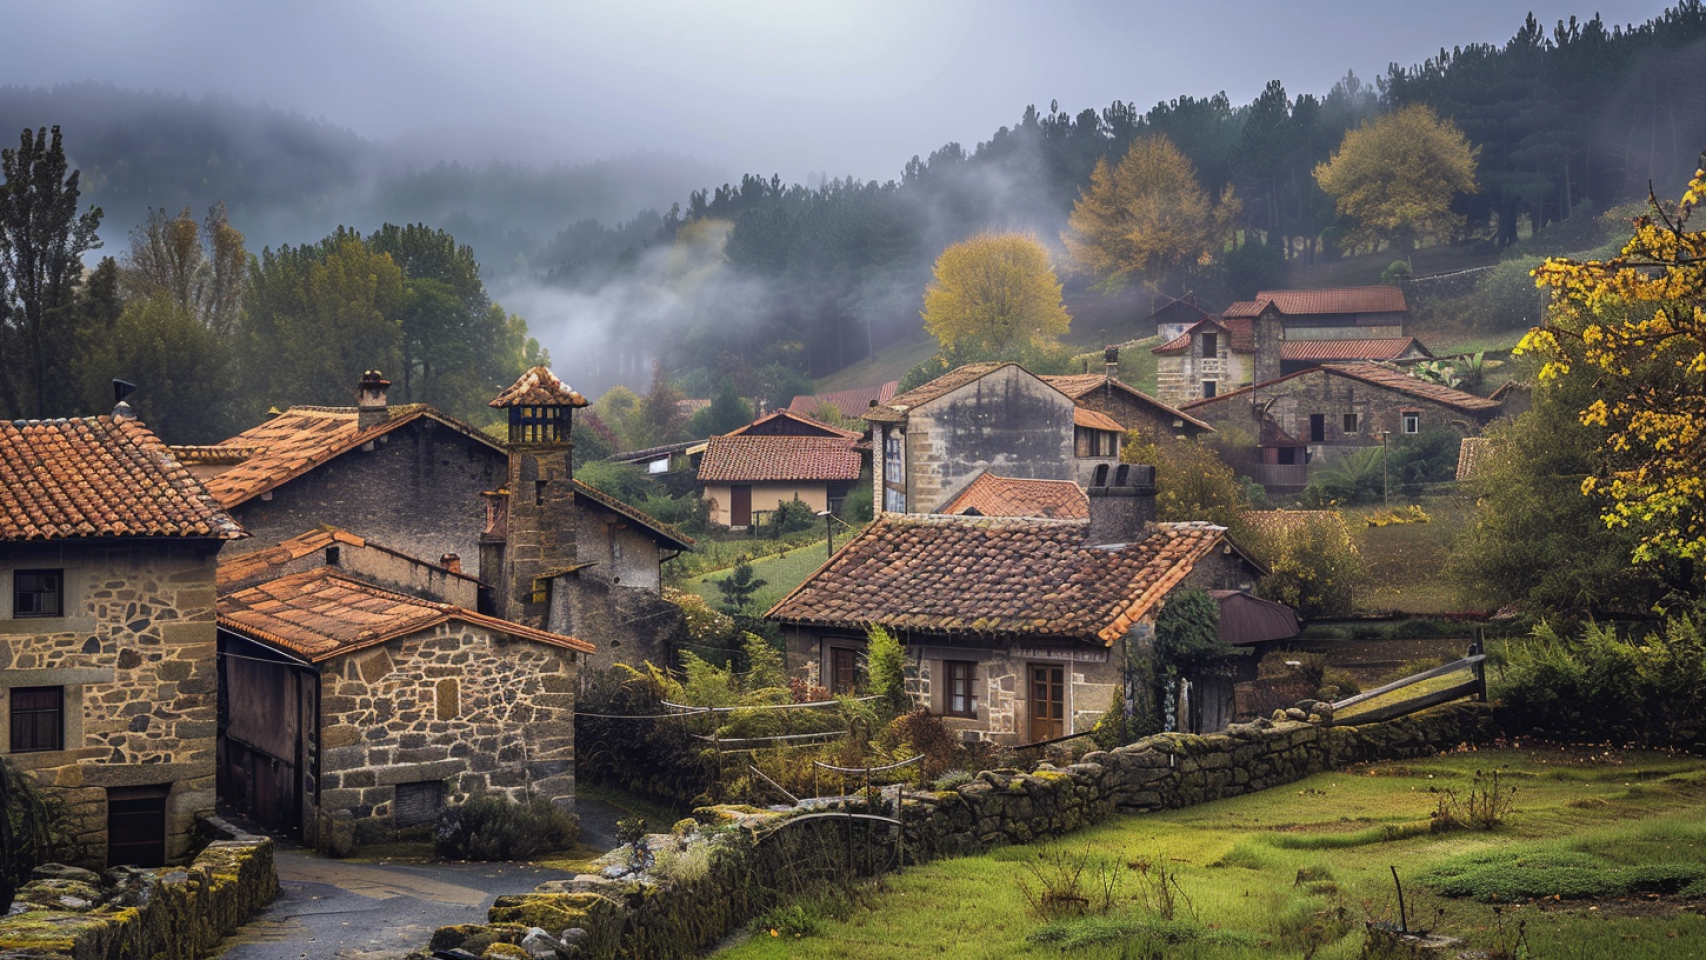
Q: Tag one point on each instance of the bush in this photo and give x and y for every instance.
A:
(793, 516)
(1356, 478)
(489, 826)
(1313, 569)
(885, 669)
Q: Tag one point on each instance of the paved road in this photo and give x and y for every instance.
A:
(381, 911)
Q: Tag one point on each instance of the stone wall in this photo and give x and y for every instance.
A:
(417, 491)
(458, 704)
(707, 878)
(1009, 422)
(631, 625)
(134, 654)
(167, 914)
(1291, 402)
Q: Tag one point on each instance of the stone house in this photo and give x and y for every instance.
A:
(1281, 332)
(1313, 415)
(850, 403)
(777, 459)
(1131, 408)
(350, 712)
(1175, 316)
(108, 549)
(1017, 630)
(435, 489)
(934, 440)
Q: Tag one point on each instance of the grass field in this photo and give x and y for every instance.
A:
(1404, 562)
(781, 574)
(1297, 870)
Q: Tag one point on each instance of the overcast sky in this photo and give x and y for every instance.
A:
(795, 88)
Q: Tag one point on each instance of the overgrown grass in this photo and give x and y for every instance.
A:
(1295, 871)
(780, 573)
(1404, 563)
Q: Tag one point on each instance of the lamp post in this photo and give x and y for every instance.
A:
(828, 531)
(1385, 497)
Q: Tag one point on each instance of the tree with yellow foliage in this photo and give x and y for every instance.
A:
(994, 296)
(1637, 322)
(1396, 175)
(1148, 217)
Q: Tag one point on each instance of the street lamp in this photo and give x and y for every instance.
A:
(1385, 498)
(828, 531)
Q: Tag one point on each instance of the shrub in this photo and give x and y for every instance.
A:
(1313, 569)
(489, 826)
(885, 669)
(1355, 478)
(32, 831)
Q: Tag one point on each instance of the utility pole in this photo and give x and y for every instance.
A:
(828, 532)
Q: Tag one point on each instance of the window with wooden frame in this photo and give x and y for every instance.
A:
(1210, 344)
(959, 688)
(1412, 421)
(1352, 423)
(843, 670)
(38, 593)
(38, 719)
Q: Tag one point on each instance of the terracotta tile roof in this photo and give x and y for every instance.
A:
(1472, 456)
(320, 614)
(1079, 385)
(851, 402)
(993, 496)
(744, 459)
(1372, 348)
(802, 418)
(215, 455)
(894, 411)
(1182, 342)
(659, 529)
(1371, 299)
(262, 564)
(1094, 420)
(1377, 375)
(538, 387)
(99, 477)
(996, 578)
(302, 438)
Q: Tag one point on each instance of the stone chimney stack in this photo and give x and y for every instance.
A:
(370, 404)
(1122, 504)
(1268, 330)
(1111, 357)
(539, 515)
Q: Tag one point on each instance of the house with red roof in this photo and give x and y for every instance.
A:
(851, 403)
(779, 458)
(108, 552)
(1017, 630)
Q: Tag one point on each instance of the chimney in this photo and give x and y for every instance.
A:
(1268, 330)
(1111, 357)
(451, 562)
(122, 410)
(370, 408)
(1122, 504)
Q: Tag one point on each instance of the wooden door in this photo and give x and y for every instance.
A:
(1048, 702)
(843, 670)
(136, 826)
(740, 505)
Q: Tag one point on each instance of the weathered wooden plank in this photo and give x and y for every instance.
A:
(1392, 711)
(1439, 671)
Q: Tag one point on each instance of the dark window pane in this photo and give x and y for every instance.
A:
(38, 593)
(38, 719)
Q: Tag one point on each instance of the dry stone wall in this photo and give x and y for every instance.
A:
(712, 874)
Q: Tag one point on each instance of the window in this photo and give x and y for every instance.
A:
(960, 691)
(1286, 455)
(1412, 422)
(843, 670)
(894, 501)
(38, 719)
(1210, 344)
(893, 470)
(1351, 424)
(38, 593)
(1210, 388)
(1317, 427)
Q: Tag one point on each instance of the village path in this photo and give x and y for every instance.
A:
(380, 911)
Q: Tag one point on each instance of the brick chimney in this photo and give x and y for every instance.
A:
(1122, 504)
(370, 405)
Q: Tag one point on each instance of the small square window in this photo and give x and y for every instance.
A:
(1210, 388)
(1412, 422)
(38, 719)
(1210, 344)
(38, 593)
(1351, 424)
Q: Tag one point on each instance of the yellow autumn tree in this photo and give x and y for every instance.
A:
(1637, 322)
(1148, 218)
(994, 297)
(1396, 175)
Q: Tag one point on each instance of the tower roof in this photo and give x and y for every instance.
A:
(538, 387)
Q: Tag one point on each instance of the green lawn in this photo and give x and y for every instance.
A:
(781, 574)
(1295, 871)
(1405, 562)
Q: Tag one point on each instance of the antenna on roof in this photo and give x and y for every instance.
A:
(122, 410)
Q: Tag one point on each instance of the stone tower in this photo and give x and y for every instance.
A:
(532, 528)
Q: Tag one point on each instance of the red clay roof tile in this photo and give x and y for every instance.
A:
(538, 387)
(993, 496)
(749, 459)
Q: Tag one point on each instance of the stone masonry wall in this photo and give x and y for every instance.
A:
(135, 656)
(170, 914)
(1009, 422)
(664, 912)
(458, 704)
